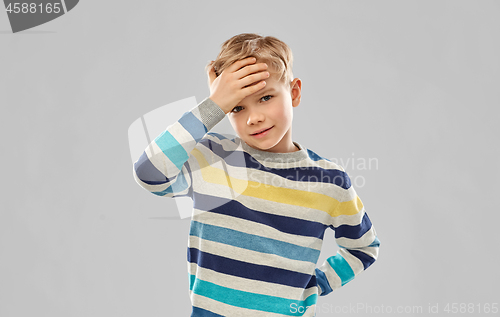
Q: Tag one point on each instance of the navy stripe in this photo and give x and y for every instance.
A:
(353, 232)
(363, 257)
(147, 172)
(236, 209)
(302, 174)
(322, 281)
(176, 187)
(249, 270)
(219, 136)
(200, 312)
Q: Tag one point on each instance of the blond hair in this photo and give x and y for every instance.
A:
(268, 49)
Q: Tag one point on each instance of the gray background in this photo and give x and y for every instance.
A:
(413, 84)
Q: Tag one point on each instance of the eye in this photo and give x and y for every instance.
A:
(265, 97)
(236, 108)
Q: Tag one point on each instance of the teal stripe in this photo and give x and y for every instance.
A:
(172, 149)
(248, 300)
(375, 243)
(342, 268)
(253, 242)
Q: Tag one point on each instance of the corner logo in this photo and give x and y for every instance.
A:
(27, 14)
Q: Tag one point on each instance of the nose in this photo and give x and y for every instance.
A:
(255, 117)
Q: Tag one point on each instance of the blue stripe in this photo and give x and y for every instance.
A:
(323, 282)
(341, 267)
(253, 242)
(313, 156)
(353, 232)
(193, 125)
(311, 173)
(249, 270)
(236, 209)
(248, 300)
(200, 312)
(172, 149)
(363, 257)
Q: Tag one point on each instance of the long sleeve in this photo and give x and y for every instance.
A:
(357, 240)
(164, 168)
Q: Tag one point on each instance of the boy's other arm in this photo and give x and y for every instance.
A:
(357, 240)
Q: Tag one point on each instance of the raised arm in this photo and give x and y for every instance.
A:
(164, 167)
(357, 240)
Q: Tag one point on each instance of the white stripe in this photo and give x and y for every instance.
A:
(364, 241)
(355, 264)
(351, 220)
(332, 278)
(276, 208)
(64, 6)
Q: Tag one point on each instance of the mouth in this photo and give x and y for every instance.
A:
(260, 131)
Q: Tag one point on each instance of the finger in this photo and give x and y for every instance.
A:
(211, 73)
(250, 69)
(254, 87)
(254, 78)
(241, 63)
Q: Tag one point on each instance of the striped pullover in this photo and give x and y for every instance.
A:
(258, 219)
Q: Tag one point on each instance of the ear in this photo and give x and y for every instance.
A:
(295, 91)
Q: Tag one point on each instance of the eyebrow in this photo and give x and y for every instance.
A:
(265, 90)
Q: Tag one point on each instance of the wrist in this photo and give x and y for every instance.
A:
(220, 104)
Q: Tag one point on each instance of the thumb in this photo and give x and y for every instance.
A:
(211, 72)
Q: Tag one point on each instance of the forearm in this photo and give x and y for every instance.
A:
(162, 168)
(348, 263)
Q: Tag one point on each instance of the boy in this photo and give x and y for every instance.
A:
(255, 254)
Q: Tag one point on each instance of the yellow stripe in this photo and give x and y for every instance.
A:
(350, 207)
(289, 196)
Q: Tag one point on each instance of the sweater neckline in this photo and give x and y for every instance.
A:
(267, 156)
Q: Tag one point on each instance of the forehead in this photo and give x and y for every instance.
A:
(272, 82)
(272, 86)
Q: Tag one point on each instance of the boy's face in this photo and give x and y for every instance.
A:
(270, 107)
